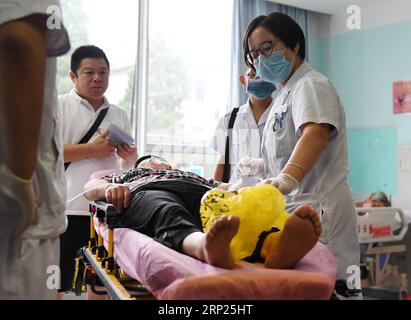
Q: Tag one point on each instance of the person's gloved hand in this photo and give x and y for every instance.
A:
(244, 181)
(22, 191)
(284, 182)
(250, 167)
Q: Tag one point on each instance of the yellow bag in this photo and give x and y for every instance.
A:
(259, 208)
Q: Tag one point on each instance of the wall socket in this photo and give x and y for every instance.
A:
(405, 165)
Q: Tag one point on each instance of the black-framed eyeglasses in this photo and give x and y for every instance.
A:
(266, 49)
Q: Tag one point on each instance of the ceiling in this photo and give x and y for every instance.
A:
(328, 6)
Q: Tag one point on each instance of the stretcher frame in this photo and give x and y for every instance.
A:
(118, 285)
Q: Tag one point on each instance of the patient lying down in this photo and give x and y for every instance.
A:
(164, 203)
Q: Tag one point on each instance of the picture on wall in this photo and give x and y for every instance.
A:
(402, 96)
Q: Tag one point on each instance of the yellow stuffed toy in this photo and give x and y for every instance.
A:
(259, 208)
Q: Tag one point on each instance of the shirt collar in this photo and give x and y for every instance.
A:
(245, 108)
(264, 116)
(84, 102)
(305, 67)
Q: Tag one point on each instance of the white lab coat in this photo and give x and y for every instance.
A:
(25, 263)
(310, 97)
(246, 136)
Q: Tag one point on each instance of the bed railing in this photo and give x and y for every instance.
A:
(118, 285)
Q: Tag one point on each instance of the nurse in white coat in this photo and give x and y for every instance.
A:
(304, 142)
(247, 130)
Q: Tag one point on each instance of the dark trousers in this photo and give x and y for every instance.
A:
(166, 211)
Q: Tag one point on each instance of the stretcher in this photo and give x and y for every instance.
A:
(379, 228)
(134, 266)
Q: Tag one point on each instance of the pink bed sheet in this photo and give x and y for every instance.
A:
(168, 274)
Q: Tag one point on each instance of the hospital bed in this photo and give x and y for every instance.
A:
(378, 229)
(134, 266)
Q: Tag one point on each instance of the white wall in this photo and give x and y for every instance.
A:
(403, 199)
(376, 15)
(326, 6)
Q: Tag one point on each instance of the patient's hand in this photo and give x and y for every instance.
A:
(119, 196)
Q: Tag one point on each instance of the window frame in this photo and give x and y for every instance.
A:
(140, 94)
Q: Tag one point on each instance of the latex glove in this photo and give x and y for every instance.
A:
(250, 167)
(245, 181)
(284, 182)
(22, 191)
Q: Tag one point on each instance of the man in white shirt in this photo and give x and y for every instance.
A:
(248, 126)
(32, 187)
(90, 70)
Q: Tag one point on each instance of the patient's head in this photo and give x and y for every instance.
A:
(378, 199)
(152, 162)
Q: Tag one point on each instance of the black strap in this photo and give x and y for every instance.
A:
(227, 165)
(256, 255)
(91, 131)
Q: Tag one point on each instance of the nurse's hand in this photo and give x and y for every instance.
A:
(284, 182)
(223, 186)
(250, 167)
(119, 196)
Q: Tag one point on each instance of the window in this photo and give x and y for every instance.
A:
(189, 49)
(187, 71)
(111, 27)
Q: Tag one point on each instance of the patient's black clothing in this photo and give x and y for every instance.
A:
(142, 177)
(166, 209)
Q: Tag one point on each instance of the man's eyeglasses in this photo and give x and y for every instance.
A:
(266, 49)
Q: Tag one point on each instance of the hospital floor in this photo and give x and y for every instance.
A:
(72, 296)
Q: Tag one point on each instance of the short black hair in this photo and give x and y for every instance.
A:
(280, 25)
(381, 197)
(85, 52)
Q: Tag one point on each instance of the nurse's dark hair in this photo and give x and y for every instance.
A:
(280, 25)
(85, 52)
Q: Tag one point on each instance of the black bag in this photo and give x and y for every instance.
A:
(227, 165)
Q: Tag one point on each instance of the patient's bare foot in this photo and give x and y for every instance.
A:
(300, 233)
(217, 243)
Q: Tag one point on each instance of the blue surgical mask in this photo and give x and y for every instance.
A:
(274, 68)
(260, 88)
